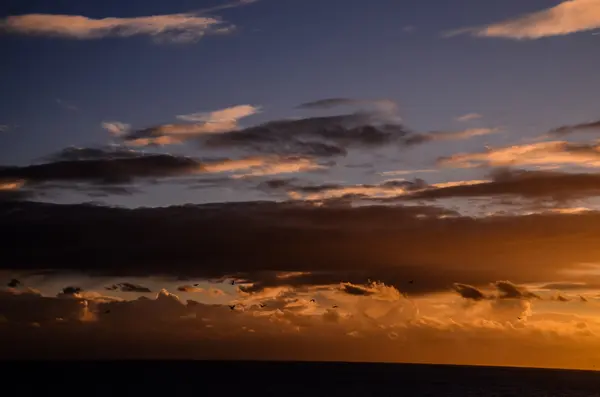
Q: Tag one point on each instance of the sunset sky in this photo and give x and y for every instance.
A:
(385, 180)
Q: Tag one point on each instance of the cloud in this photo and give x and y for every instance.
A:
(449, 135)
(264, 166)
(104, 167)
(469, 292)
(390, 188)
(325, 136)
(129, 287)
(233, 113)
(328, 244)
(592, 126)
(381, 326)
(116, 127)
(114, 170)
(179, 28)
(541, 153)
(4, 127)
(551, 185)
(74, 153)
(568, 17)
(380, 105)
(214, 122)
(509, 290)
(469, 117)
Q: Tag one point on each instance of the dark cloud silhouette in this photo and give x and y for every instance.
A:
(509, 290)
(469, 292)
(104, 170)
(128, 287)
(75, 153)
(322, 136)
(563, 286)
(329, 103)
(329, 244)
(356, 290)
(71, 290)
(552, 185)
(592, 126)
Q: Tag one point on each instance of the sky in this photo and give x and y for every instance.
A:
(369, 181)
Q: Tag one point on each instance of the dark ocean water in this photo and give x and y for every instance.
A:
(240, 379)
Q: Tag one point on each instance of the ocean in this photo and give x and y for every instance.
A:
(301, 379)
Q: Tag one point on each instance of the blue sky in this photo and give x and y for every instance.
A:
(58, 91)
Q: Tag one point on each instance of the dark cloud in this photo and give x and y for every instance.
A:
(469, 292)
(128, 287)
(356, 290)
(508, 290)
(107, 170)
(71, 290)
(254, 240)
(582, 127)
(570, 286)
(558, 186)
(74, 153)
(329, 103)
(14, 283)
(323, 136)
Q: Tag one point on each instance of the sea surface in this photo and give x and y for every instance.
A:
(302, 379)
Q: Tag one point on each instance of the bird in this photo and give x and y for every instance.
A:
(262, 305)
(312, 300)
(232, 282)
(14, 283)
(195, 285)
(335, 306)
(232, 307)
(519, 318)
(107, 311)
(411, 282)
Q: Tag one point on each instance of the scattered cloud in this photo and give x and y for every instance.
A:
(406, 172)
(128, 287)
(215, 122)
(558, 186)
(592, 126)
(386, 106)
(181, 28)
(469, 117)
(232, 114)
(539, 153)
(116, 127)
(4, 127)
(319, 136)
(449, 135)
(570, 16)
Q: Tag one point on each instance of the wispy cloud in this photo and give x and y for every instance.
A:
(115, 127)
(568, 17)
(449, 135)
(173, 27)
(469, 117)
(542, 153)
(66, 105)
(233, 113)
(214, 122)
